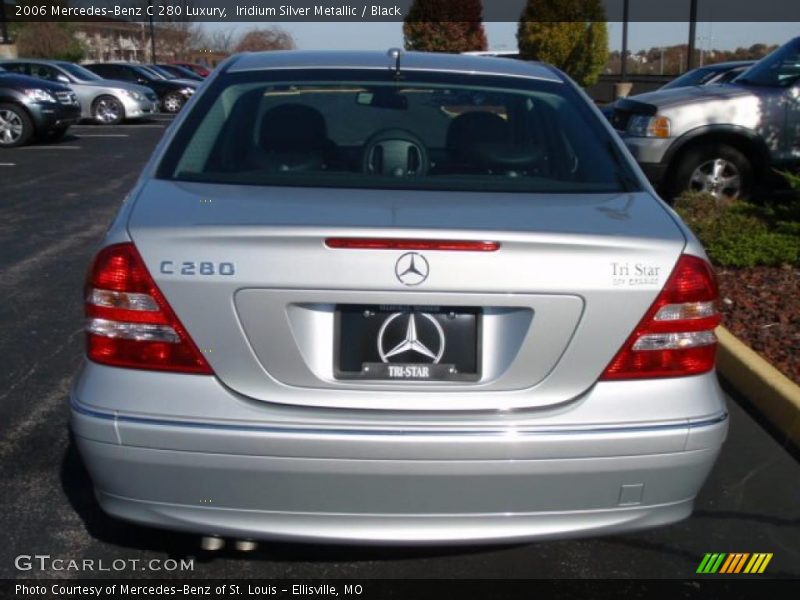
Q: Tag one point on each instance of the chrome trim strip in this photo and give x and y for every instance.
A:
(499, 432)
(390, 69)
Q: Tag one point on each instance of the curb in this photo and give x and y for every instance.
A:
(769, 391)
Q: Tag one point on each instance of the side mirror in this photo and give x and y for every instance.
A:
(62, 78)
(141, 81)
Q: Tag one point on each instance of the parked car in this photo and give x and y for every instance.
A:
(162, 74)
(723, 72)
(107, 102)
(438, 304)
(201, 70)
(494, 53)
(30, 107)
(172, 95)
(179, 72)
(721, 139)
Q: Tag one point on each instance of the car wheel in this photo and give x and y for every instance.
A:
(716, 169)
(108, 110)
(55, 135)
(16, 127)
(172, 103)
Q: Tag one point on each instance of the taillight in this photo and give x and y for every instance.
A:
(676, 336)
(129, 322)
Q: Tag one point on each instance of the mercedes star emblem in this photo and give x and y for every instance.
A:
(411, 269)
(432, 349)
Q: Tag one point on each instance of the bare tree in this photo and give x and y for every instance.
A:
(272, 38)
(173, 33)
(177, 32)
(218, 41)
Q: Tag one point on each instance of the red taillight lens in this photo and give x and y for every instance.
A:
(411, 244)
(129, 322)
(676, 336)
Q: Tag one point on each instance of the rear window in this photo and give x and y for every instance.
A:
(695, 77)
(426, 131)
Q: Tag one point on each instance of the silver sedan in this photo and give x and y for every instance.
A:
(105, 101)
(405, 298)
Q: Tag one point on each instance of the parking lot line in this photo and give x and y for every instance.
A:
(8, 164)
(50, 148)
(117, 126)
(103, 135)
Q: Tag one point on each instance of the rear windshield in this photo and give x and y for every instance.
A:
(779, 69)
(437, 132)
(695, 77)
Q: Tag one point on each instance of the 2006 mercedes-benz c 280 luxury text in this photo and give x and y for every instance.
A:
(397, 298)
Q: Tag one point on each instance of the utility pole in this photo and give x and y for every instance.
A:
(3, 23)
(152, 32)
(623, 72)
(692, 34)
(707, 48)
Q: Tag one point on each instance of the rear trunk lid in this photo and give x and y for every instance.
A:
(248, 272)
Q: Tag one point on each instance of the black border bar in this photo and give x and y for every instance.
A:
(283, 11)
(405, 589)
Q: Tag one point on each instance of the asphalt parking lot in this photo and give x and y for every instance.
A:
(56, 202)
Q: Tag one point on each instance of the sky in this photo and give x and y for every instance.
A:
(502, 36)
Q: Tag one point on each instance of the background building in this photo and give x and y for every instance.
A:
(111, 40)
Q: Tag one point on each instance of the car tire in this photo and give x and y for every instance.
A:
(108, 110)
(54, 135)
(16, 127)
(172, 103)
(718, 169)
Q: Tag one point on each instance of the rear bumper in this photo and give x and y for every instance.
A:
(391, 529)
(273, 481)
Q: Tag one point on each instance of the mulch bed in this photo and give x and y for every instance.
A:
(761, 306)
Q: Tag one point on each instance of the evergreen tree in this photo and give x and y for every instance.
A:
(569, 34)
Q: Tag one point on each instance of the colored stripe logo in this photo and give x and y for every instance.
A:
(734, 563)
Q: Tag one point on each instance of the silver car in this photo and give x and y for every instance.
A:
(722, 139)
(102, 100)
(415, 298)
(717, 73)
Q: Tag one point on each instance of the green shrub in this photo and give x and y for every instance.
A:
(793, 179)
(699, 207)
(739, 234)
(756, 249)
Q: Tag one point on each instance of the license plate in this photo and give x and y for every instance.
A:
(407, 343)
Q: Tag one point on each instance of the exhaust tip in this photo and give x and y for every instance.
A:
(212, 543)
(246, 545)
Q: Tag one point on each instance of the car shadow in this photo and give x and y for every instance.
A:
(77, 487)
(69, 138)
(141, 121)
